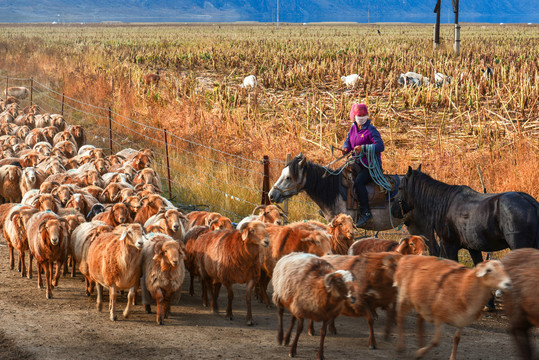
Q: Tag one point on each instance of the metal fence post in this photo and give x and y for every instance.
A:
(168, 165)
(110, 130)
(62, 104)
(31, 91)
(7, 83)
(266, 182)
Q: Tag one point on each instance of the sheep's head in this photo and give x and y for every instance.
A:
(218, 222)
(317, 242)
(412, 245)
(169, 253)
(492, 274)
(47, 187)
(23, 131)
(93, 177)
(53, 229)
(338, 285)
(46, 202)
(13, 173)
(74, 220)
(30, 175)
(254, 232)
(270, 214)
(31, 159)
(141, 161)
(173, 219)
(64, 193)
(120, 212)
(126, 193)
(78, 202)
(101, 165)
(114, 160)
(343, 226)
(68, 148)
(132, 235)
(77, 131)
(133, 204)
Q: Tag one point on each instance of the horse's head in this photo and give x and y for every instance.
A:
(403, 202)
(291, 181)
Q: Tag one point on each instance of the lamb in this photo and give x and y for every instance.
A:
(114, 261)
(168, 222)
(409, 245)
(249, 82)
(114, 216)
(163, 274)
(229, 257)
(9, 179)
(47, 240)
(520, 302)
(443, 291)
(19, 92)
(351, 81)
(310, 288)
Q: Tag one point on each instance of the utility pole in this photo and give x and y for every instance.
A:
(456, 45)
(277, 14)
(437, 10)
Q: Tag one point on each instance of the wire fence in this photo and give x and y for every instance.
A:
(197, 176)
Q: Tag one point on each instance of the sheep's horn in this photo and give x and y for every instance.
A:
(258, 208)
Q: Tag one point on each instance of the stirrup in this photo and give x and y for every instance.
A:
(363, 219)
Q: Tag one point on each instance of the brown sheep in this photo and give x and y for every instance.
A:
(409, 245)
(374, 273)
(10, 176)
(78, 134)
(285, 240)
(81, 202)
(152, 79)
(147, 176)
(64, 136)
(341, 230)
(268, 214)
(218, 221)
(520, 302)
(168, 222)
(47, 187)
(163, 272)
(191, 265)
(229, 257)
(114, 261)
(93, 190)
(443, 291)
(67, 148)
(5, 210)
(310, 288)
(133, 204)
(116, 215)
(80, 241)
(111, 193)
(15, 234)
(151, 205)
(90, 177)
(45, 202)
(48, 240)
(50, 132)
(141, 161)
(58, 121)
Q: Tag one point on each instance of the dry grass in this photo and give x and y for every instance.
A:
(300, 104)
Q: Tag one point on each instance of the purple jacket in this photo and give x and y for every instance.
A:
(368, 134)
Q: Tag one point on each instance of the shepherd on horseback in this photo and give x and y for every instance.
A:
(361, 133)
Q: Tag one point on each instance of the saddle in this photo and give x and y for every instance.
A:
(377, 195)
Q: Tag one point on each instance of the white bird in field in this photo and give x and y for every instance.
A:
(350, 81)
(249, 82)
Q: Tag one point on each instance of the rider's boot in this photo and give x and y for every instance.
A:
(364, 216)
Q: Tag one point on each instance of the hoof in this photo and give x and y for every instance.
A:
(269, 306)
(23, 274)
(49, 296)
(250, 323)
(113, 317)
(148, 308)
(160, 322)
(229, 317)
(292, 354)
(311, 333)
(125, 314)
(372, 347)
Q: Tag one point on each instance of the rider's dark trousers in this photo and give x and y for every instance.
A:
(362, 179)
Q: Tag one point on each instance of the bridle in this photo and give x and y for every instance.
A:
(294, 187)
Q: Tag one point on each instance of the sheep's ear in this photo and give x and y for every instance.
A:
(245, 234)
(157, 250)
(42, 225)
(328, 280)
(124, 235)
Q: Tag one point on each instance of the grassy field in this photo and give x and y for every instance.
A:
(300, 104)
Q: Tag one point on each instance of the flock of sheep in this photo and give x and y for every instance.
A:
(68, 204)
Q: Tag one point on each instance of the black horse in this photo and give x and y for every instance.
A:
(463, 218)
(324, 189)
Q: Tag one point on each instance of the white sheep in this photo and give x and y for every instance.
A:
(441, 79)
(351, 81)
(413, 79)
(249, 82)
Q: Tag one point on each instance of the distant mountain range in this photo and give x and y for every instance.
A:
(296, 11)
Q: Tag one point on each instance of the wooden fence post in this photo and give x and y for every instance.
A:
(168, 165)
(110, 130)
(266, 182)
(31, 91)
(62, 104)
(7, 83)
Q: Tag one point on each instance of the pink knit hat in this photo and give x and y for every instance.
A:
(358, 110)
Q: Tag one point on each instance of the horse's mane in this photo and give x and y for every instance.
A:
(431, 198)
(322, 189)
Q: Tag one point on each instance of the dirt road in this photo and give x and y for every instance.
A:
(69, 327)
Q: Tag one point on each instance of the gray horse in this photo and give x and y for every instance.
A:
(325, 190)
